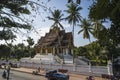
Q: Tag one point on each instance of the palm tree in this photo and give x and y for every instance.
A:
(5, 51)
(73, 17)
(86, 28)
(30, 42)
(57, 18)
(97, 27)
(99, 30)
(77, 1)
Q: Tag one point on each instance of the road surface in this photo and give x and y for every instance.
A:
(15, 75)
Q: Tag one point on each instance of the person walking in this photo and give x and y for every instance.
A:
(4, 73)
(8, 72)
(38, 69)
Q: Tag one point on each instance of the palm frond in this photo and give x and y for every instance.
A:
(74, 15)
(50, 18)
(70, 1)
(57, 18)
(80, 31)
(78, 1)
(61, 26)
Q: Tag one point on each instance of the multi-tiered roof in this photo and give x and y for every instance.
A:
(55, 38)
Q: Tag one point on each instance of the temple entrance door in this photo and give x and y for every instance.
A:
(49, 50)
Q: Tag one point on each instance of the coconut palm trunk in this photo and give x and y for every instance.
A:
(73, 18)
(59, 43)
(73, 44)
(57, 18)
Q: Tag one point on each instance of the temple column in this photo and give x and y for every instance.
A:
(53, 52)
(71, 51)
(63, 50)
(46, 51)
(40, 51)
(66, 51)
(73, 55)
(57, 51)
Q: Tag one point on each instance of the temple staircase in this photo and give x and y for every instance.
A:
(68, 59)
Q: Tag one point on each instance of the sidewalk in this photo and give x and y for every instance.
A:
(42, 73)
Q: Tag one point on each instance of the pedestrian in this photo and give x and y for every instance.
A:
(38, 69)
(8, 72)
(4, 74)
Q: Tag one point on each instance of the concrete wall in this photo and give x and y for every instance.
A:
(78, 69)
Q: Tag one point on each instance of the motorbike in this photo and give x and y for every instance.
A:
(90, 78)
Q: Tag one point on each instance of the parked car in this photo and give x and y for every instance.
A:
(14, 65)
(3, 62)
(54, 75)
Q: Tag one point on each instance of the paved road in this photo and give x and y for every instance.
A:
(22, 76)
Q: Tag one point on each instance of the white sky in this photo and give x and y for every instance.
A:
(42, 24)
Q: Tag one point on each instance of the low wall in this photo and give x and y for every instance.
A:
(78, 69)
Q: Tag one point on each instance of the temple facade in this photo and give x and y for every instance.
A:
(56, 42)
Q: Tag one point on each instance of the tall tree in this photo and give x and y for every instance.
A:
(99, 30)
(77, 1)
(73, 17)
(108, 10)
(13, 16)
(86, 28)
(10, 12)
(97, 27)
(30, 41)
(57, 17)
(5, 51)
(30, 44)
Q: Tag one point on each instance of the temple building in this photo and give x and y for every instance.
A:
(55, 42)
(56, 47)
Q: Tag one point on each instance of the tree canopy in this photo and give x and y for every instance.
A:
(85, 28)
(57, 17)
(30, 41)
(108, 10)
(10, 17)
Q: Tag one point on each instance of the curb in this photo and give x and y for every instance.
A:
(27, 72)
(40, 74)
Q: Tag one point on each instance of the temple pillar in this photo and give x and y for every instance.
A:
(40, 51)
(71, 51)
(46, 51)
(53, 52)
(66, 51)
(63, 51)
(57, 51)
